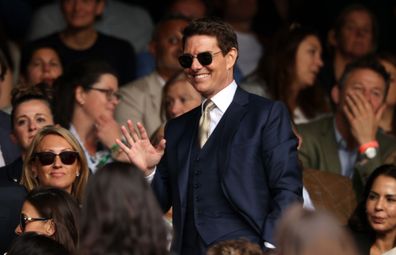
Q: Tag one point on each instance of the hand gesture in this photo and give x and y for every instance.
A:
(139, 149)
(107, 130)
(362, 117)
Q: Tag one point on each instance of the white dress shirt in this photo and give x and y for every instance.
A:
(222, 100)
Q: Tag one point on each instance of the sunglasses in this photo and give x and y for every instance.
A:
(24, 220)
(204, 58)
(48, 158)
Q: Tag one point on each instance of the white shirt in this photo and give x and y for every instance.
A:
(222, 100)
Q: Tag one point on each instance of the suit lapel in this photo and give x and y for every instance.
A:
(330, 151)
(231, 121)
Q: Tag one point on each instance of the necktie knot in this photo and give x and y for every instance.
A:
(204, 122)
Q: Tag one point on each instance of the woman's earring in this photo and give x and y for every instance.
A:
(77, 174)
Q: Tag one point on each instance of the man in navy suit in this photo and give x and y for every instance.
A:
(237, 183)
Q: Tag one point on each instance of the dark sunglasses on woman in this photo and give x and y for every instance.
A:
(47, 158)
(24, 220)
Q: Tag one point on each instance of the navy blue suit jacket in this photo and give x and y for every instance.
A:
(260, 174)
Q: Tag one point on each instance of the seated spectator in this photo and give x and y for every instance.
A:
(40, 63)
(388, 120)
(288, 73)
(8, 150)
(374, 221)
(51, 212)
(178, 97)
(12, 196)
(141, 99)
(55, 159)
(235, 247)
(85, 98)
(193, 9)
(30, 112)
(241, 14)
(115, 20)
(306, 232)
(121, 215)
(80, 40)
(31, 243)
(349, 143)
(353, 35)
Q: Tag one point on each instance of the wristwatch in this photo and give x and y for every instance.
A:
(370, 152)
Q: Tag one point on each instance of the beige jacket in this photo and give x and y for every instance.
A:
(141, 102)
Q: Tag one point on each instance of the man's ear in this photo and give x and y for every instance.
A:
(335, 94)
(231, 58)
(50, 227)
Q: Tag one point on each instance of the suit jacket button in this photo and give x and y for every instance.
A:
(196, 186)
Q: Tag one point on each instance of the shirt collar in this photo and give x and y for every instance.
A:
(224, 97)
(341, 143)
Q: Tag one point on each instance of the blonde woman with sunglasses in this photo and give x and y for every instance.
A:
(56, 159)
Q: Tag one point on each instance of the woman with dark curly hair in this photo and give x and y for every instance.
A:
(120, 214)
(51, 212)
(374, 219)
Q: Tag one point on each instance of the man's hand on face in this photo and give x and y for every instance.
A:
(362, 117)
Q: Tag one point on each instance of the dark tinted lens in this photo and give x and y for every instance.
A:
(186, 60)
(205, 58)
(68, 157)
(46, 158)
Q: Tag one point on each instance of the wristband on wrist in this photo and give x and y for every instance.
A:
(364, 147)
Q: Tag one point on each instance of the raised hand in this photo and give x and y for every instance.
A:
(139, 149)
(362, 117)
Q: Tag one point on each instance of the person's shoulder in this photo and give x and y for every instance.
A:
(185, 118)
(387, 142)
(317, 125)
(52, 38)
(4, 117)
(139, 85)
(116, 42)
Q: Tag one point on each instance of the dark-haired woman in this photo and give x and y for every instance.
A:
(31, 111)
(374, 219)
(85, 98)
(51, 212)
(121, 215)
(288, 73)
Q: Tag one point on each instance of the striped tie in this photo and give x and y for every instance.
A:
(204, 122)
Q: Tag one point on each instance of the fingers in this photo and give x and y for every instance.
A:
(132, 130)
(126, 135)
(161, 145)
(122, 146)
(380, 111)
(142, 131)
